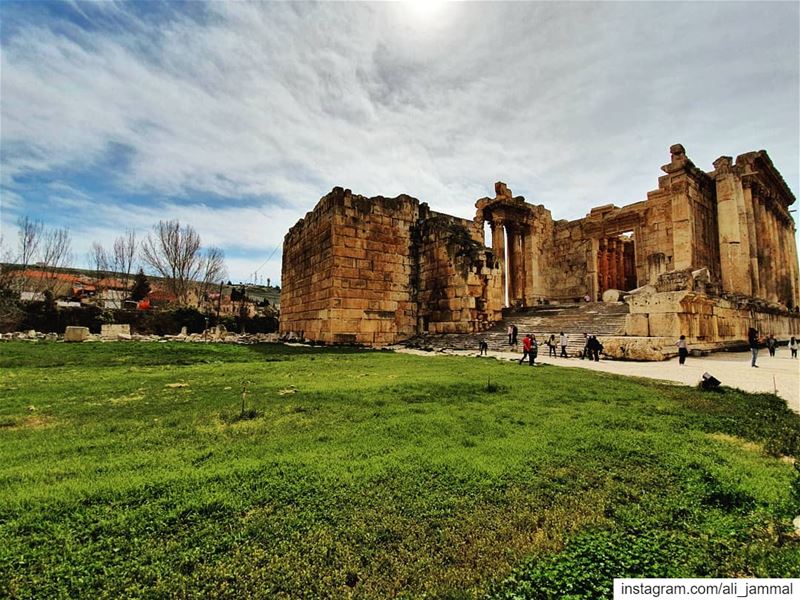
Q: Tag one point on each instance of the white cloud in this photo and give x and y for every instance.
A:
(572, 104)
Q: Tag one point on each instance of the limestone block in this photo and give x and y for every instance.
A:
(113, 331)
(661, 302)
(76, 334)
(665, 325)
(646, 349)
(637, 325)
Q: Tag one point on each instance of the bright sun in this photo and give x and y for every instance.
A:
(424, 11)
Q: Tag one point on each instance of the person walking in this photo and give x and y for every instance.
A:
(563, 341)
(534, 349)
(683, 351)
(585, 353)
(514, 332)
(793, 346)
(772, 343)
(551, 345)
(484, 348)
(595, 347)
(752, 341)
(526, 350)
(510, 335)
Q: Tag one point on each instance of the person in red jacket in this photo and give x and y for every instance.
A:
(527, 350)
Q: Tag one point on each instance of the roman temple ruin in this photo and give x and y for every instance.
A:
(706, 254)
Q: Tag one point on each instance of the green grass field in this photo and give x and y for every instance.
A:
(369, 474)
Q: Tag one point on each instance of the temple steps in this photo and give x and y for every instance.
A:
(601, 319)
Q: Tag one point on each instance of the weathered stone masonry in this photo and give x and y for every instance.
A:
(378, 270)
(706, 255)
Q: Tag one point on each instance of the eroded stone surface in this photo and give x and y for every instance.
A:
(76, 334)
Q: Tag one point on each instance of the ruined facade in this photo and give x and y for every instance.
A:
(720, 245)
(379, 270)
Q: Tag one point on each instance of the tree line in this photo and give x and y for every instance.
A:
(170, 250)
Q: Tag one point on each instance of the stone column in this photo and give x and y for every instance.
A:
(734, 256)
(523, 264)
(786, 263)
(795, 268)
(519, 265)
(763, 269)
(620, 264)
(611, 253)
(513, 255)
(629, 260)
(531, 262)
(771, 250)
(752, 237)
(602, 268)
(592, 268)
(780, 259)
(499, 251)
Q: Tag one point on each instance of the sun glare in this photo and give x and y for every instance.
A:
(424, 11)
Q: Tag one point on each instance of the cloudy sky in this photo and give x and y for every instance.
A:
(237, 117)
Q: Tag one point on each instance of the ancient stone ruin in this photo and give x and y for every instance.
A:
(707, 255)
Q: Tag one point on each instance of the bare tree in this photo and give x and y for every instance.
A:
(11, 315)
(98, 257)
(56, 254)
(30, 236)
(174, 253)
(7, 269)
(212, 269)
(124, 253)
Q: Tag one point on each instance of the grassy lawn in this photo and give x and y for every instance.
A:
(372, 475)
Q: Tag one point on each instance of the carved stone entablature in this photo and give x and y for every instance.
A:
(724, 166)
(757, 166)
(771, 200)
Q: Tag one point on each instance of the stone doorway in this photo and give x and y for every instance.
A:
(616, 263)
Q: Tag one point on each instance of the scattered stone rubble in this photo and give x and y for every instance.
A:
(211, 335)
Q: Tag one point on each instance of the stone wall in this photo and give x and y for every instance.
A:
(459, 287)
(373, 261)
(375, 271)
(347, 271)
(307, 282)
(571, 273)
(705, 319)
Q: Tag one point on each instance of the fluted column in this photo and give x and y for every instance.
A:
(772, 250)
(612, 262)
(761, 240)
(795, 268)
(752, 238)
(602, 268)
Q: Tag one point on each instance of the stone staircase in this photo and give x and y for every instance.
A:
(597, 318)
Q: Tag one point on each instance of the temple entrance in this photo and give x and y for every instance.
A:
(616, 263)
(508, 247)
